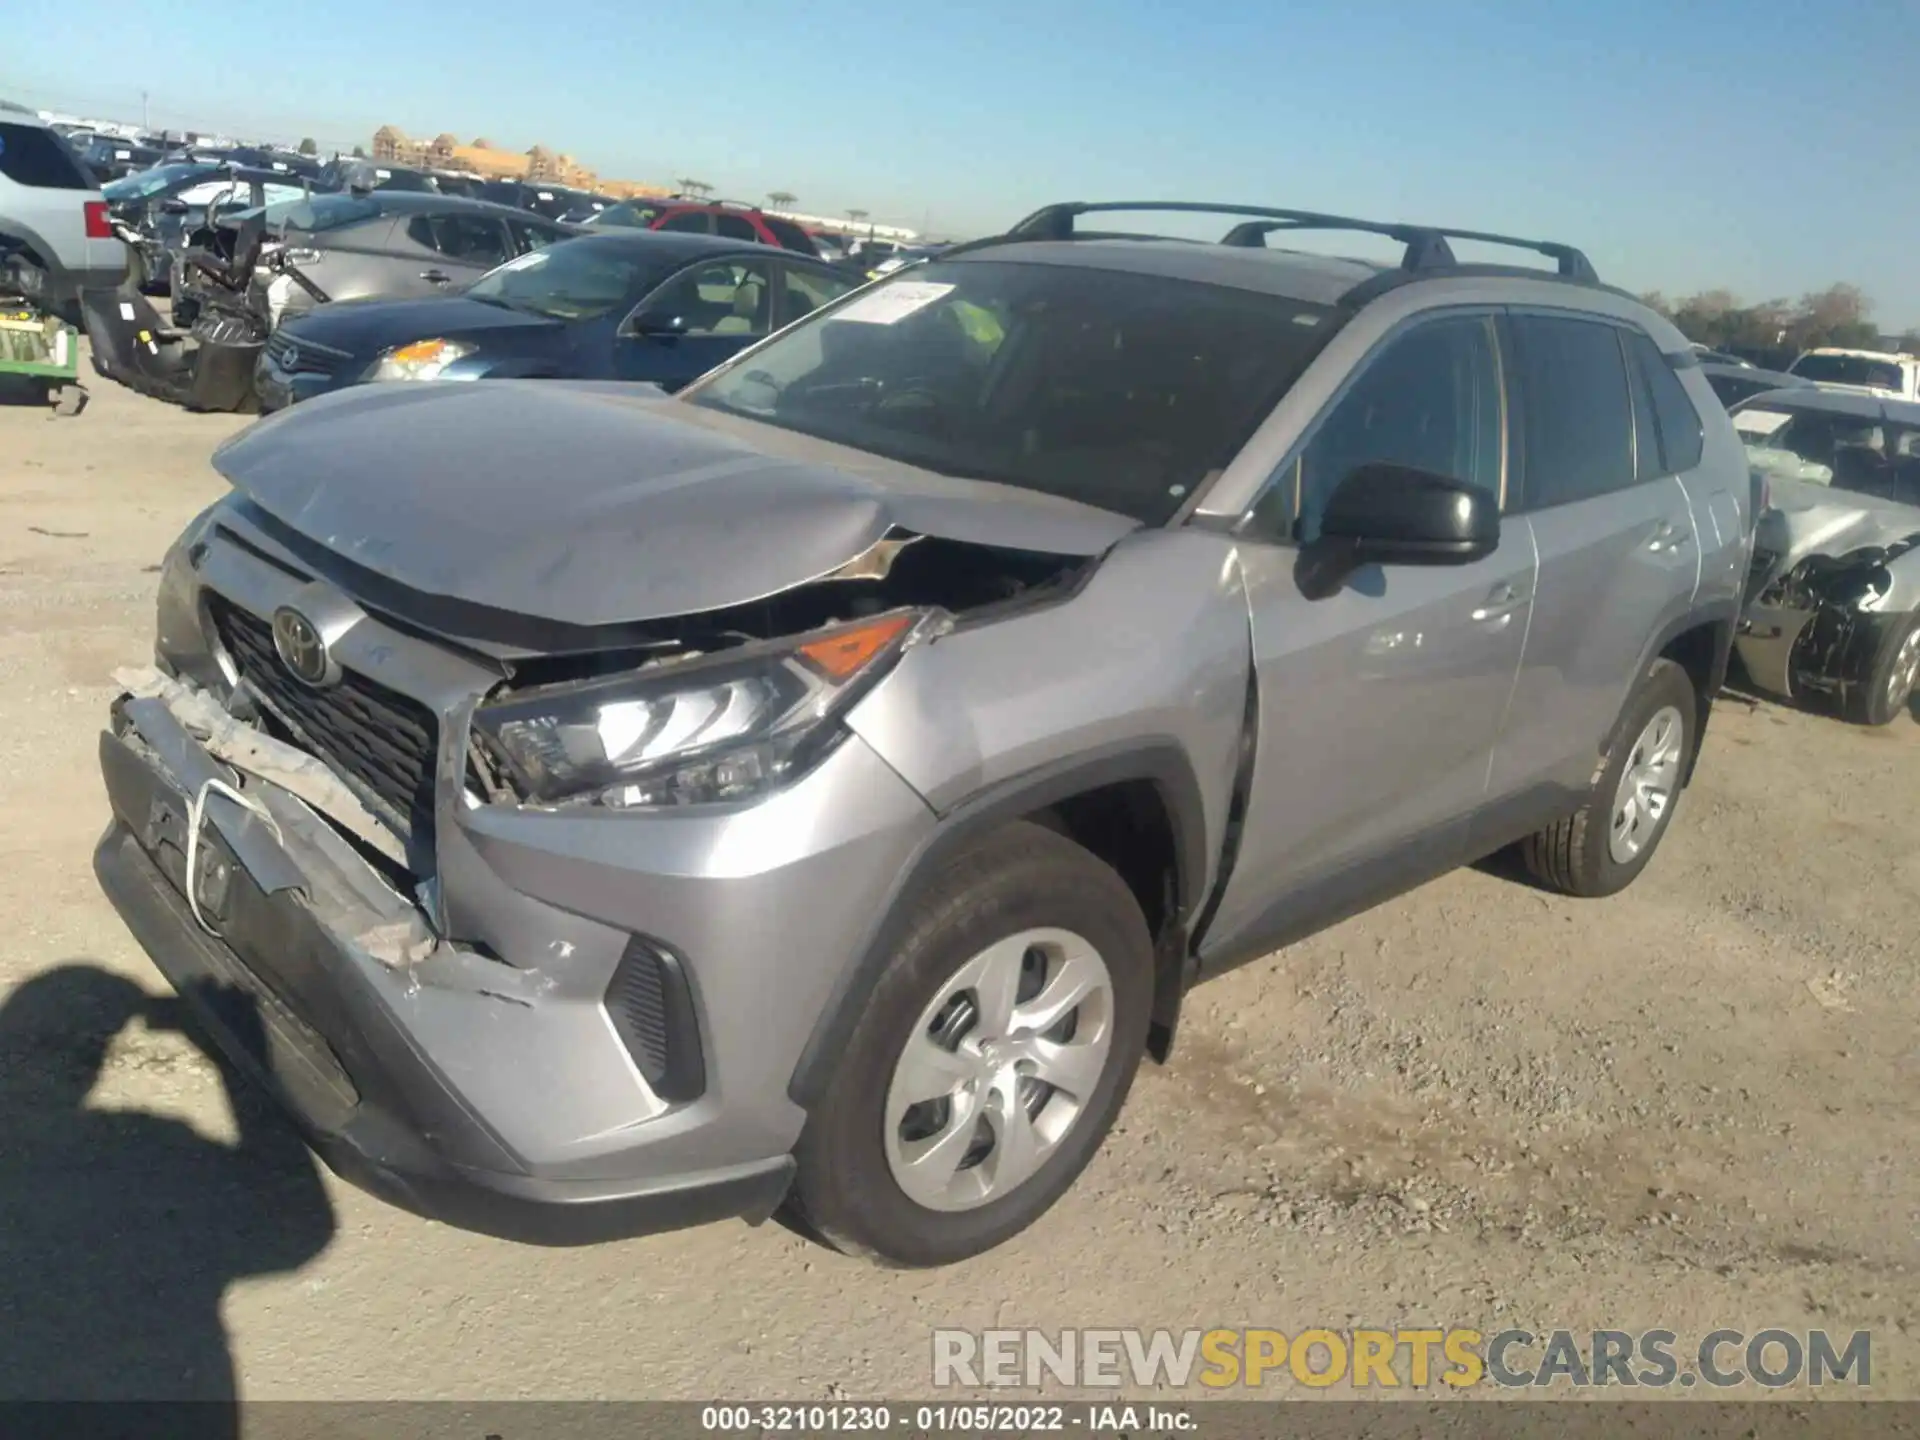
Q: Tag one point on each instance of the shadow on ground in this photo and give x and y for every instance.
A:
(120, 1230)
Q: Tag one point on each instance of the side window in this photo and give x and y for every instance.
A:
(694, 222)
(722, 297)
(1578, 419)
(1673, 410)
(791, 236)
(735, 227)
(470, 239)
(40, 159)
(1431, 400)
(1647, 461)
(528, 235)
(805, 291)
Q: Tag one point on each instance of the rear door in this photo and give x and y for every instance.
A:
(1618, 550)
(464, 247)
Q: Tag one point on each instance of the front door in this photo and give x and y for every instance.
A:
(707, 313)
(1379, 704)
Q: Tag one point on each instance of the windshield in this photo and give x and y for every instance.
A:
(580, 280)
(1843, 452)
(1847, 370)
(152, 182)
(315, 213)
(1118, 390)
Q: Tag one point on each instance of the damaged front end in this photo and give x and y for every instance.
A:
(1816, 617)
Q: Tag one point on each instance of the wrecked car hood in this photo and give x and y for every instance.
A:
(1808, 519)
(603, 504)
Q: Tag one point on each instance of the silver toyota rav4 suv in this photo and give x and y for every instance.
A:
(594, 812)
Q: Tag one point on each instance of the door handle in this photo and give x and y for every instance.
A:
(1669, 536)
(437, 277)
(1501, 602)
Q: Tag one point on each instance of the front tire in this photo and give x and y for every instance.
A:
(1604, 845)
(1885, 689)
(990, 1061)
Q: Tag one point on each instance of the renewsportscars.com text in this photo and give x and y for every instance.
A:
(1363, 1359)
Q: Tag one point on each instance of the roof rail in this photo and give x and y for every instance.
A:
(1427, 247)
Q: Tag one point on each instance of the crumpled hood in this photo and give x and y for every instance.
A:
(602, 504)
(1807, 519)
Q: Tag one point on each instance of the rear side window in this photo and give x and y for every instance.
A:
(472, 239)
(1673, 412)
(790, 236)
(692, 222)
(1578, 421)
(38, 158)
(734, 227)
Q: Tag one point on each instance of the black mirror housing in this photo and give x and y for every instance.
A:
(656, 324)
(1397, 515)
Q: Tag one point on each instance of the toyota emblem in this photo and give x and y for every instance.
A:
(302, 649)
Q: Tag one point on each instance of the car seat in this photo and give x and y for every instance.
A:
(749, 314)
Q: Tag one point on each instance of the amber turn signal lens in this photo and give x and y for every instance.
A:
(843, 653)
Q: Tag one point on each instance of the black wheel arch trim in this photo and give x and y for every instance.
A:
(1161, 762)
(1723, 616)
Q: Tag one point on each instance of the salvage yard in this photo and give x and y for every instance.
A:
(1691, 1107)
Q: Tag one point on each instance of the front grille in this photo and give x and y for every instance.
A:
(303, 357)
(379, 737)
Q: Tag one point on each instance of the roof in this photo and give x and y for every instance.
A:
(1753, 372)
(678, 244)
(1316, 279)
(1860, 354)
(1836, 402)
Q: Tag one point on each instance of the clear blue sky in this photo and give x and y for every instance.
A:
(1768, 147)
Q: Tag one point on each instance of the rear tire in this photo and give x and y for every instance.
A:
(1885, 690)
(1604, 845)
(1068, 925)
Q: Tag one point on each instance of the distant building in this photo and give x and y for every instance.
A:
(539, 164)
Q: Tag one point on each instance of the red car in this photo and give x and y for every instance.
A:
(708, 217)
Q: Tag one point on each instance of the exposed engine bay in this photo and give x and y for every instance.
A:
(1832, 571)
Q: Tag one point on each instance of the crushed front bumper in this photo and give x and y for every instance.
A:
(306, 1013)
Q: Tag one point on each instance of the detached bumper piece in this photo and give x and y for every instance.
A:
(281, 994)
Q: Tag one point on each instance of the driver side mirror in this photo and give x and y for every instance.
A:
(656, 324)
(1396, 515)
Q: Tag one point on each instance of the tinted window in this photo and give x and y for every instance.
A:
(725, 297)
(578, 281)
(1673, 412)
(1578, 421)
(1847, 370)
(1431, 401)
(319, 213)
(694, 222)
(470, 239)
(1122, 391)
(790, 235)
(1732, 389)
(531, 234)
(36, 157)
(807, 290)
(734, 227)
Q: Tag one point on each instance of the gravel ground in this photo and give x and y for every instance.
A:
(1692, 1106)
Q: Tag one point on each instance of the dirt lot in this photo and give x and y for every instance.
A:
(1693, 1106)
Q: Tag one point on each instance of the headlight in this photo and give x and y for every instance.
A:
(422, 360)
(725, 726)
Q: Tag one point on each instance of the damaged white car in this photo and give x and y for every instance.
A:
(1834, 594)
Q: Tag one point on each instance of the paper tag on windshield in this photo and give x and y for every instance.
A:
(892, 302)
(1760, 422)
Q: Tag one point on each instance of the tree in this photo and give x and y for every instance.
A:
(856, 216)
(700, 189)
(359, 153)
(781, 199)
(307, 147)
